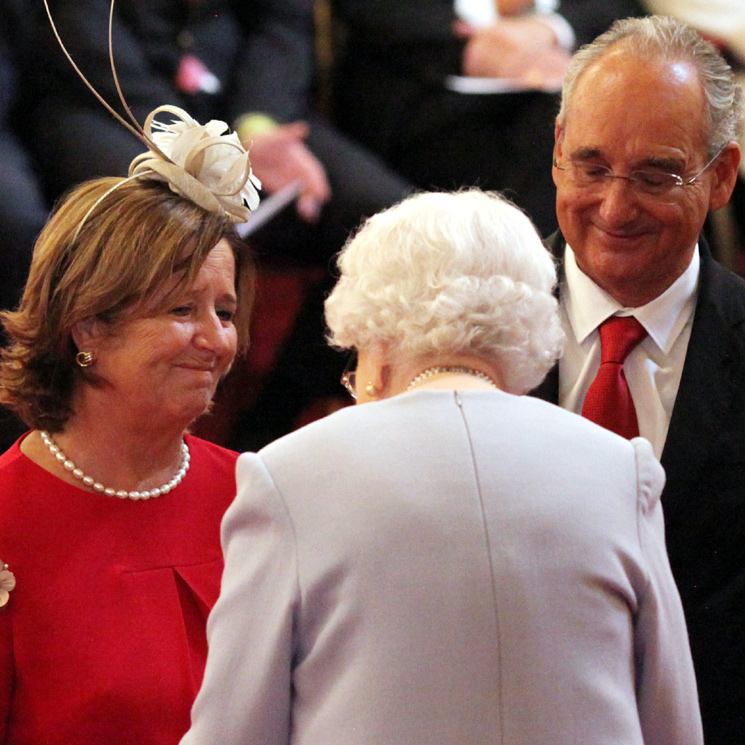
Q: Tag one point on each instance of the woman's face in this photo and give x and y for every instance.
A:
(166, 367)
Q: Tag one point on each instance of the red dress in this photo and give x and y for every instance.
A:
(103, 639)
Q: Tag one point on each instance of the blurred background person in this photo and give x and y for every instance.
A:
(416, 82)
(450, 562)
(251, 64)
(137, 302)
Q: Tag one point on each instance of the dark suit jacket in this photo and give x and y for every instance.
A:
(704, 497)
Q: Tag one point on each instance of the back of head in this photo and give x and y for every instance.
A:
(450, 273)
(659, 39)
(113, 247)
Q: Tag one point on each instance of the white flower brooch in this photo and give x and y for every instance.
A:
(7, 583)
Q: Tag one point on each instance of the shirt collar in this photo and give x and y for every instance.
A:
(587, 305)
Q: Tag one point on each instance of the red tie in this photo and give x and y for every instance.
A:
(608, 401)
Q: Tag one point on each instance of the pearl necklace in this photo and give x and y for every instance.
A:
(68, 465)
(430, 371)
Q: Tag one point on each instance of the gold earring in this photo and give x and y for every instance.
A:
(84, 359)
(371, 390)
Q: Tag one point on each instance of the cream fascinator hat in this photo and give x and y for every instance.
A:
(205, 163)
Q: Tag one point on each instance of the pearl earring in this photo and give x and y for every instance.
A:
(371, 390)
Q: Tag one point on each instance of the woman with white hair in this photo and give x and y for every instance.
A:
(451, 563)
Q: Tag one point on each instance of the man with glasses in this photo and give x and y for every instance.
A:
(645, 146)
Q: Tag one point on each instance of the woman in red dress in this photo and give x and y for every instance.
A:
(137, 301)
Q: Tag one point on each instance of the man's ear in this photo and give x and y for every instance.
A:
(558, 132)
(725, 172)
(558, 142)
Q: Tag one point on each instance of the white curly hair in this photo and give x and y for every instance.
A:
(450, 273)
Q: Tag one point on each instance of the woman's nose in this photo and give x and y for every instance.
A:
(214, 335)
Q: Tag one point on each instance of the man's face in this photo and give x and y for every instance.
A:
(629, 115)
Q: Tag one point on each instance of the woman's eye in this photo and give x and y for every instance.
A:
(181, 310)
(225, 315)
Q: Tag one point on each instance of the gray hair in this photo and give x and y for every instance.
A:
(451, 273)
(658, 38)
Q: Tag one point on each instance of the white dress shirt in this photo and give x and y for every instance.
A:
(652, 369)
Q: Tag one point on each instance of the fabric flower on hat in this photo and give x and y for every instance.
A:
(7, 583)
(206, 163)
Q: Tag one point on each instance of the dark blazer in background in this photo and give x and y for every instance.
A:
(23, 208)
(390, 95)
(704, 496)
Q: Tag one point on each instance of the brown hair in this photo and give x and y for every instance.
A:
(110, 246)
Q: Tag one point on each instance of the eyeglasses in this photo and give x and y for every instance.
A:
(649, 183)
(349, 376)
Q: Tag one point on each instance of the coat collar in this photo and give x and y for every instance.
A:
(714, 368)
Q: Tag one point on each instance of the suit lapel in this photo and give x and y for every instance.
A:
(711, 373)
(548, 390)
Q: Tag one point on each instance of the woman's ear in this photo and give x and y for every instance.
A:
(373, 374)
(87, 334)
(386, 376)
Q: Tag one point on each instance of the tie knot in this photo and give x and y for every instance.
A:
(618, 336)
